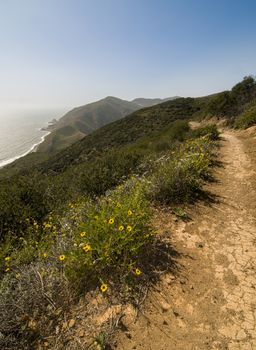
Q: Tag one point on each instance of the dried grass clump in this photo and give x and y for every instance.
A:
(32, 301)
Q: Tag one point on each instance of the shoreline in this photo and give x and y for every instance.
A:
(31, 150)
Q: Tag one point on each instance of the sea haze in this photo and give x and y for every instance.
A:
(20, 130)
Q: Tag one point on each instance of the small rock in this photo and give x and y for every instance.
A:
(32, 324)
(81, 333)
(71, 323)
(65, 325)
(57, 330)
(241, 335)
(169, 279)
(165, 306)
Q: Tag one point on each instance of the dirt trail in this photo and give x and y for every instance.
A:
(211, 302)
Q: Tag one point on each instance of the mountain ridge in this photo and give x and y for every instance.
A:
(82, 120)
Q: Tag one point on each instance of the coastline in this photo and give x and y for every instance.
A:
(33, 148)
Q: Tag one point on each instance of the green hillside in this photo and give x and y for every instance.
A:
(138, 125)
(83, 120)
(41, 183)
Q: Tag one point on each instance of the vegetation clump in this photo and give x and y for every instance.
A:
(232, 103)
(210, 130)
(179, 177)
(246, 119)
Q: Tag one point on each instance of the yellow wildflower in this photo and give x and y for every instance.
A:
(129, 212)
(62, 257)
(111, 221)
(121, 228)
(138, 272)
(82, 234)
(8, 258)
(7, 269)
(129, 228)
(104, 287)
(45, 255)
(118, 205)
(87, 248)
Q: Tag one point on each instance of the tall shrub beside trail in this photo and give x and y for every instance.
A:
(111, 235)
(246, 119)
(179, 177)
(211, 131)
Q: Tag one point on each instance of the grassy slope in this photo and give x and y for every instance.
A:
(106, 157)
(83, 120)
(138, 125)
(143, 123)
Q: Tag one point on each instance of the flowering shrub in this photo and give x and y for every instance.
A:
(95, 241)
(111, 233)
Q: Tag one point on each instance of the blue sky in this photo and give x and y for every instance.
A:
(70, 52)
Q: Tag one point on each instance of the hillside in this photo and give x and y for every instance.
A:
(87, 165)
(83, 120)
(87, 233)
(147, 102)
(143, 123)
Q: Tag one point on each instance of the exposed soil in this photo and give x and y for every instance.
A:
(211, 302)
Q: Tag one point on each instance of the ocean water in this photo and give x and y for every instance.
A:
(20, 130)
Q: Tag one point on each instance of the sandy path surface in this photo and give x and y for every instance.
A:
(211, 302)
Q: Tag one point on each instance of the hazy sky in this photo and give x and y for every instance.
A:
(70, 52)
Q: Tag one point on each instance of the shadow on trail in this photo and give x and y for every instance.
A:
(160, 258)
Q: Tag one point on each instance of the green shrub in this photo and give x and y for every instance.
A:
(246, 119)
(112, 233)
(210, 130)
(179, 177)
(96, 241)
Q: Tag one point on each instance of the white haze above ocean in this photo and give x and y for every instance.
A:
(20, 129)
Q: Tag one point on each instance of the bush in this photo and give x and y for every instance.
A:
(96, 240)
(111, 234)
(246, 119)
(210, 130)
(179, 177)
(32, 299)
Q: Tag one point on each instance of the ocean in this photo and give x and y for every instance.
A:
(20, 130)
